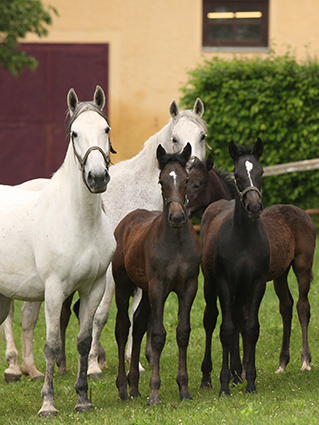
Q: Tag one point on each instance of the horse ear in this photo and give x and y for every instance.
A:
(72, 101)
(173, 109)
(209, 162)
(198, 107)
(99, 97)
(233, 150)
(160, 152)
(258, 148)
(187, 151)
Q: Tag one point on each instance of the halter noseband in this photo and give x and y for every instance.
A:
(247, 189)
(82, 161)
(167, 201)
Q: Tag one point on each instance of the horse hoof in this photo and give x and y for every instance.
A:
(37, 377)
(153, 401)
(9, 377)
(83, 407)
(48, 413)
(305, 366)
(280, 369)
(97, 375)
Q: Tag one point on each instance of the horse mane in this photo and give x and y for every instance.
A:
(83, 106)
(227, 180)
(169, 158)
(225, 177)
(247, 149)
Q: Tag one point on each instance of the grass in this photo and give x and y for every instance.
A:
(288, 398)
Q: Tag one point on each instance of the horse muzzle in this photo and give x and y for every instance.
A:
(97, 182)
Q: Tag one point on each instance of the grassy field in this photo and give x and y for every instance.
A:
(288, 398)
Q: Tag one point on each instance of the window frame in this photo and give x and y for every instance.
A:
(208, 42)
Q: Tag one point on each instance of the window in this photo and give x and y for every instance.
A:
(235, 23)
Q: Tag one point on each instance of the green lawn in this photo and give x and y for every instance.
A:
(288, 398)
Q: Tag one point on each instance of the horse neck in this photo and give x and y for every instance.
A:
(72, 189)
(216, 187)
(242, 224)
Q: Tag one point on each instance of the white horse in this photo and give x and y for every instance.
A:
(58, 240)
(134, 184)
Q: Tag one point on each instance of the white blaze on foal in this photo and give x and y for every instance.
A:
(173, 174)
(249, 167)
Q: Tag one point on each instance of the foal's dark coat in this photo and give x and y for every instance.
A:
(292, 238)
(235, 265)
(160, 253)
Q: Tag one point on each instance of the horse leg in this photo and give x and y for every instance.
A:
(210, 318)
(252, 334)
(12, 373)
(302, 267)
(96, 364)
(128, 354)
(88, 306)
(157, 341)
(64, 321)
(140, 321)
(235, 361)
(29, 317)
(183, 330)
(53, 305)
(285, 307)
(123, 290)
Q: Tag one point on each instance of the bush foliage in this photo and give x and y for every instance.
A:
(274, 98)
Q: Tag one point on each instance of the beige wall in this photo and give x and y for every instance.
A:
(153, 43)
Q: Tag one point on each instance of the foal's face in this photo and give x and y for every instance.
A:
(173, 179)
(248, 175)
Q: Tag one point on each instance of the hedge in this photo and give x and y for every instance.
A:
(276, 99)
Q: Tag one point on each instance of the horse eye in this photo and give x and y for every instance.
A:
(203, 137)
(74, 134)
(107, 130)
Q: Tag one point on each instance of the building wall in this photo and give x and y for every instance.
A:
(153, 43)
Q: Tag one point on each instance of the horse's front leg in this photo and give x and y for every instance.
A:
(52, 348)
(186, 298)
(252, 334)
(89, 303)
(13, 372)
(158, 338)
(29, 317)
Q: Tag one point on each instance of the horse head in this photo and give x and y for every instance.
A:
(187, 127)
(197, 189)
(89, 132)
(174, 178)
(248, 176)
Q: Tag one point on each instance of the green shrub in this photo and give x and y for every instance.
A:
(276, 99)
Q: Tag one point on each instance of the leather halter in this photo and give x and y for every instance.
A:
(247, 189)
(82, 161)
(167, 201)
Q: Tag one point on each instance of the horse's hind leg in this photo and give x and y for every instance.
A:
(64, 321)
(97, 360)
(302, 267)
(140, 321)
(29, 318)
(285, 306)
(12, 373)
(128, 354)
(210, 318)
